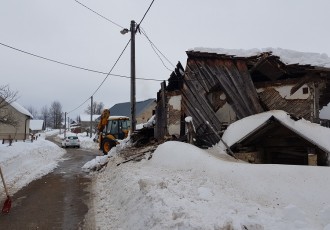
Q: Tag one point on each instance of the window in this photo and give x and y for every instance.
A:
(305, 90)
(114, 127)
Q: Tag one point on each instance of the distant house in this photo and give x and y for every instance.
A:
(22, 117)
(37, 126)
(273, 137)
(144, 110)
(85, 122)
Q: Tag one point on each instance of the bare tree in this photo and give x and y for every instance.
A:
(33, 111)
(6, 98)
(45, 115)
(78, 119)
(97, 108)
(56, 114)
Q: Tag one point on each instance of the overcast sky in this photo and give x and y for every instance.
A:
(66, 31)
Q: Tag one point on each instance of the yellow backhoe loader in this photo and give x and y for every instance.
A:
(111, 129)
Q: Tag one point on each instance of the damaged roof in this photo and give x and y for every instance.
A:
(271, 64)
(288, 57)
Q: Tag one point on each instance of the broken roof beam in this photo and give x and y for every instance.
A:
(243, 82)
(197, 98)
(247, 79)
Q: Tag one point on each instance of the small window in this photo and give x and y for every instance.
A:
(305, 90)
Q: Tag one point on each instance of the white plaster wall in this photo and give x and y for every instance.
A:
(174, 113)
(226, 114)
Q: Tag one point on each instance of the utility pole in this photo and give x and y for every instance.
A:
(65, 125)
(133, 100)
(90, 131)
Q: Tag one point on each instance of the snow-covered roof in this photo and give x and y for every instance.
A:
(285, 55)
(117, 117)
(21, 109)
(124, 109)
(36, 124)
(86, 117)
(312, 132)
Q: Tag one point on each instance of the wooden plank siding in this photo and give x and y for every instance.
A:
(206, 75)
(220, 88)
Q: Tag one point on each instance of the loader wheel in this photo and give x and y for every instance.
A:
(107, 145)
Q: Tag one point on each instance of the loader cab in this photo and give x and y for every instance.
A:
(118, 127)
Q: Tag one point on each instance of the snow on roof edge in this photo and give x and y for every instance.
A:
(314, 133)
(286, 56)
(21, 109)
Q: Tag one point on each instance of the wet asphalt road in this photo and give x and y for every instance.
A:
(56, 201)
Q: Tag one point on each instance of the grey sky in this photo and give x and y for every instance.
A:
(64, 30)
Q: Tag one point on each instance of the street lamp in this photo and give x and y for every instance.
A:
(133, 100)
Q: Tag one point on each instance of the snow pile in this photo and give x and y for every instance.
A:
(101, 161)
(24, 162)
(96, 163)
(286, 56)
(150, 123)
(183, 187)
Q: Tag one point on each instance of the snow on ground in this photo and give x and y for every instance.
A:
(183, 187)
(24, 162)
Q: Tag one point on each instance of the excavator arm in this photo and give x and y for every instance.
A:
(104, 120)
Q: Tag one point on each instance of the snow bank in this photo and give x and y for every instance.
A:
(183, 187)
(24, 162)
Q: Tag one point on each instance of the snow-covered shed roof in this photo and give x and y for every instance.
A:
(36, 124)
(286, 56)
(86, 117)
(312, 132)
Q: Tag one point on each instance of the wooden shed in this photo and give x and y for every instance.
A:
(275, 138)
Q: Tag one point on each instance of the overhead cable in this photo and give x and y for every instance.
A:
(104, 78)
(74, 66)
(145, 15)
(153, 46)
(112, 67)
(100, 15)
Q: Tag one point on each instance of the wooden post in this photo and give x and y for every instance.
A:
(163, 95)
(191, 136)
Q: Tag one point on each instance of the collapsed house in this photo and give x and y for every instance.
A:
(219, 87)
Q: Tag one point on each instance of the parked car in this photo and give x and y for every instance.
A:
(71, 141)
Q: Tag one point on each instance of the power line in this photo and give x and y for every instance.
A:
(79, 106)
(145, 15)
(112, 67)
(74, 66)
(153, 46)
(122, 52)
(100, 15)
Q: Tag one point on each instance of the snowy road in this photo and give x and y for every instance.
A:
(56, 201)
